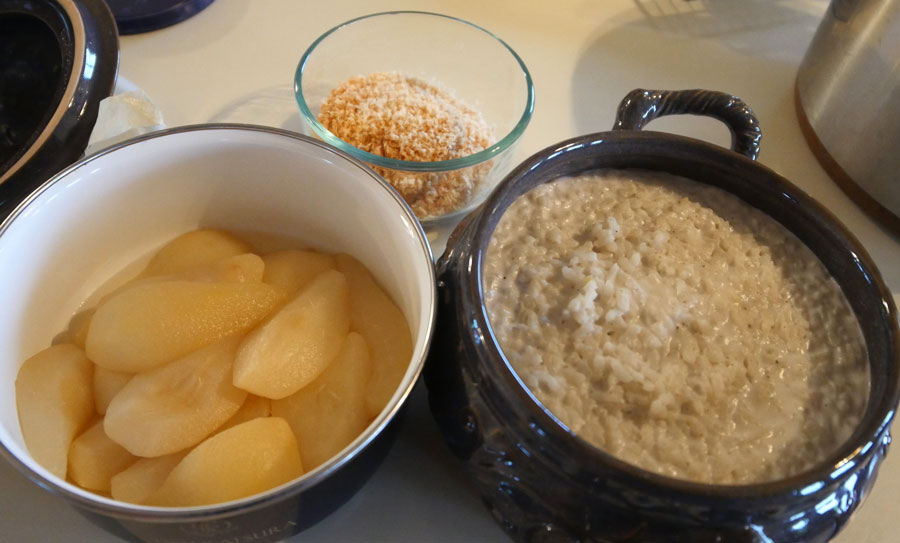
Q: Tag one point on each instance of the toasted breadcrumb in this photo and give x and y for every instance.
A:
(405, 118)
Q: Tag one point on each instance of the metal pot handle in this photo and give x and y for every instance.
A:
(641, 106)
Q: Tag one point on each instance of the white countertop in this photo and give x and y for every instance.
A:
(234, 62)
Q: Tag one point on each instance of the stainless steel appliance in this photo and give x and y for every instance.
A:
(848, 102)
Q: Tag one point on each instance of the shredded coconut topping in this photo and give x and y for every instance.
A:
(405, 118)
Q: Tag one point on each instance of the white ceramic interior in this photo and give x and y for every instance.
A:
(83, 227)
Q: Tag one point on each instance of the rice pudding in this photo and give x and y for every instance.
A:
(674, 326)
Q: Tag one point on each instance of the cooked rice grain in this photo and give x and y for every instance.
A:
(676, 327)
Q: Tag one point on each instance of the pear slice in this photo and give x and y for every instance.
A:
(327, 414)
(107, 383)
(194, 249)
(151, 324)
(381, 323)
(94, 458)
(244, 460)
(79, 326)
(242, 268)
(55, 402)
(254, 407)
(138, 481)
(77, 331)
(296, 344)
(177, 405)
(294, 269)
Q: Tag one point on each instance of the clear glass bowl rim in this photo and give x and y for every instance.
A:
(409, 165)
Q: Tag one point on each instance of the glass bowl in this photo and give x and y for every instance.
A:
(471, 64)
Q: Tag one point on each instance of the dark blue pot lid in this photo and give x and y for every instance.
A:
(137, 16)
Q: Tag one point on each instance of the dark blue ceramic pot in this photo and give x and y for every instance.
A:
(543, 483)
(58, 60)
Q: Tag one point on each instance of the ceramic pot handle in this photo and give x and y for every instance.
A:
(641, 106)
